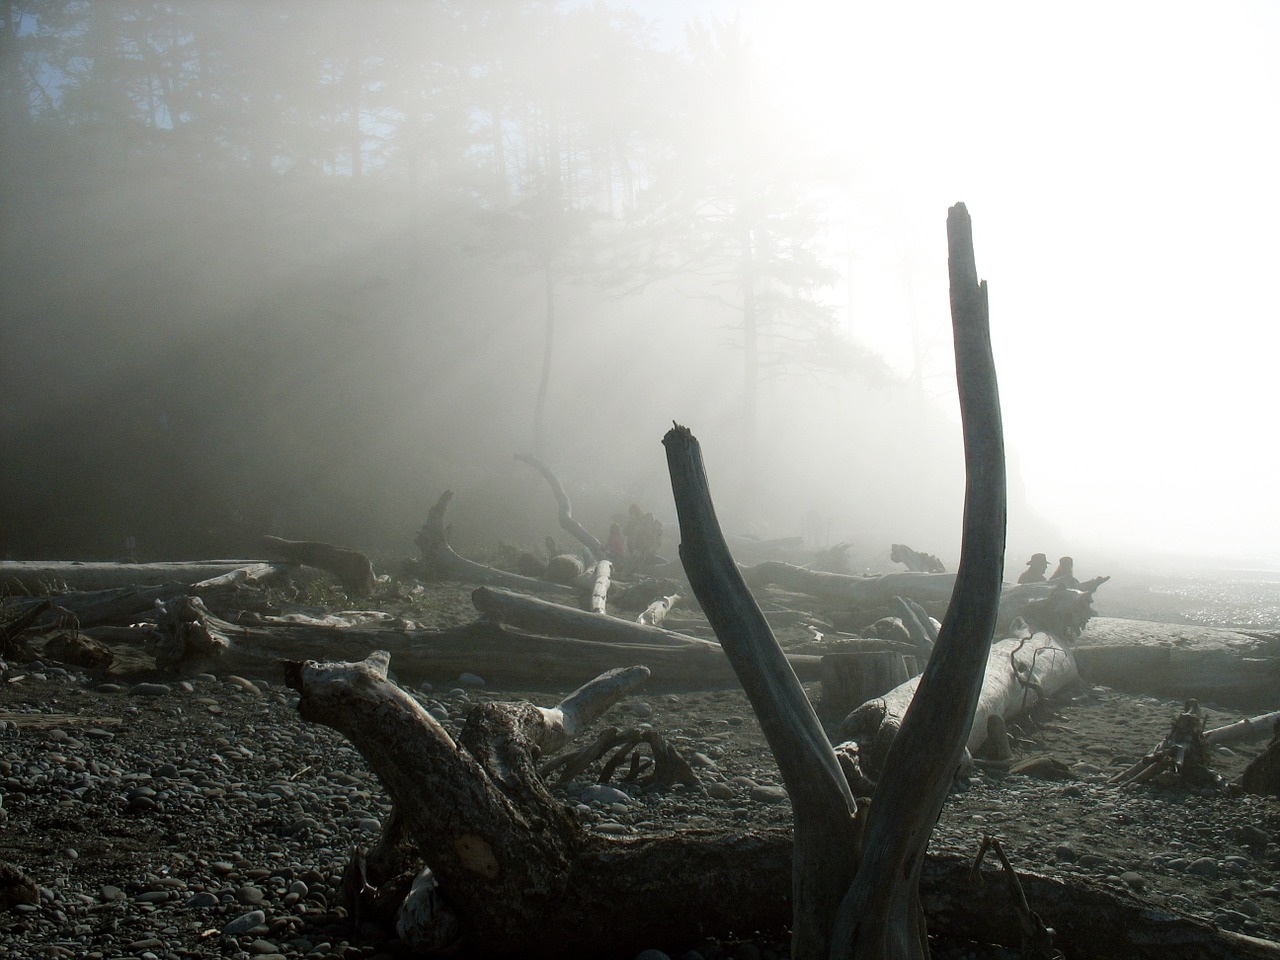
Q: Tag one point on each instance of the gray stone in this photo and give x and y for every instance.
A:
(765, 793)
(599, 793)
(244, 923)
(719, 791)
(1204, 867)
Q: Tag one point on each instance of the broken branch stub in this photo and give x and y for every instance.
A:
(824, 855)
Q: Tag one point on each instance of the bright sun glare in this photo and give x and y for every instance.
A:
(1119, 161)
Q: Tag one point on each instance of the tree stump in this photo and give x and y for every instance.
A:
(851, 679)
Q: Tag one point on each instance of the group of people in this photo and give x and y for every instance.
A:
(1039, 563)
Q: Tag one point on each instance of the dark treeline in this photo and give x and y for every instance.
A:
(296, 267)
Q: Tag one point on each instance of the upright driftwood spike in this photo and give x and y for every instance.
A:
(880, 920)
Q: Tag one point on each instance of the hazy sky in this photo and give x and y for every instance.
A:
(1119, 161)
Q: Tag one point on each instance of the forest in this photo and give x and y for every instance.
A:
(295, 268)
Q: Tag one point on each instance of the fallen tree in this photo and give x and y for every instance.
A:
(1182, 661)
(43, 577)
(932, 589)
(1022, 671)
(191, 639)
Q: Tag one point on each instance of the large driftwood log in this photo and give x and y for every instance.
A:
(120, 606)
(194, 640)
(886, 590)
(519, 873)
(558, 620)
(1226, 675)
(42, 577)
(1020, 673)
(442, 561)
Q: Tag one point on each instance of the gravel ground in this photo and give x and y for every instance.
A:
(204, 818)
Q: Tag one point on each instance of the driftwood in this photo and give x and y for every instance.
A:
(194, 640)
(554, 891)
(554, 619)
(851, 679)
(655, 613)
(1225, 675)
(352, 568)
(43, 577)
(884, 591)
(440, 560)
(1250, 728)
(121, 606)
(598, 600)
(519, 873)
(1021, 672)
(1184, 752)
(569, 524)
(914, 560)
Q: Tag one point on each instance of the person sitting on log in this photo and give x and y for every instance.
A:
(1064, 574)
(1036, 567)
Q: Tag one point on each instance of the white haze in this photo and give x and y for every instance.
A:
(1119, 161)
(313, 356)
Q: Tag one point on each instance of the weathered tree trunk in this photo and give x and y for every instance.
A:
(824, 857)
(846, 590)
(851, 679)
(655, 613)
(600, 578)
(118, 606)
(1020, 673)
(1250, 728)
(1224, 675)
(465, 807)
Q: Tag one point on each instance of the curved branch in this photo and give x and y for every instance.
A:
(571, 525)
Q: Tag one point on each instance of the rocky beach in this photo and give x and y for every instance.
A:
(155, 818)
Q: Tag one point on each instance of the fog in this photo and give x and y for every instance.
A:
(286, 268)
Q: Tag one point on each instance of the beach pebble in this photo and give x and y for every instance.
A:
(1134, 880)
(599, 793)
(1203, 867)
(471, 680)
(244, 923)
(765, 793)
